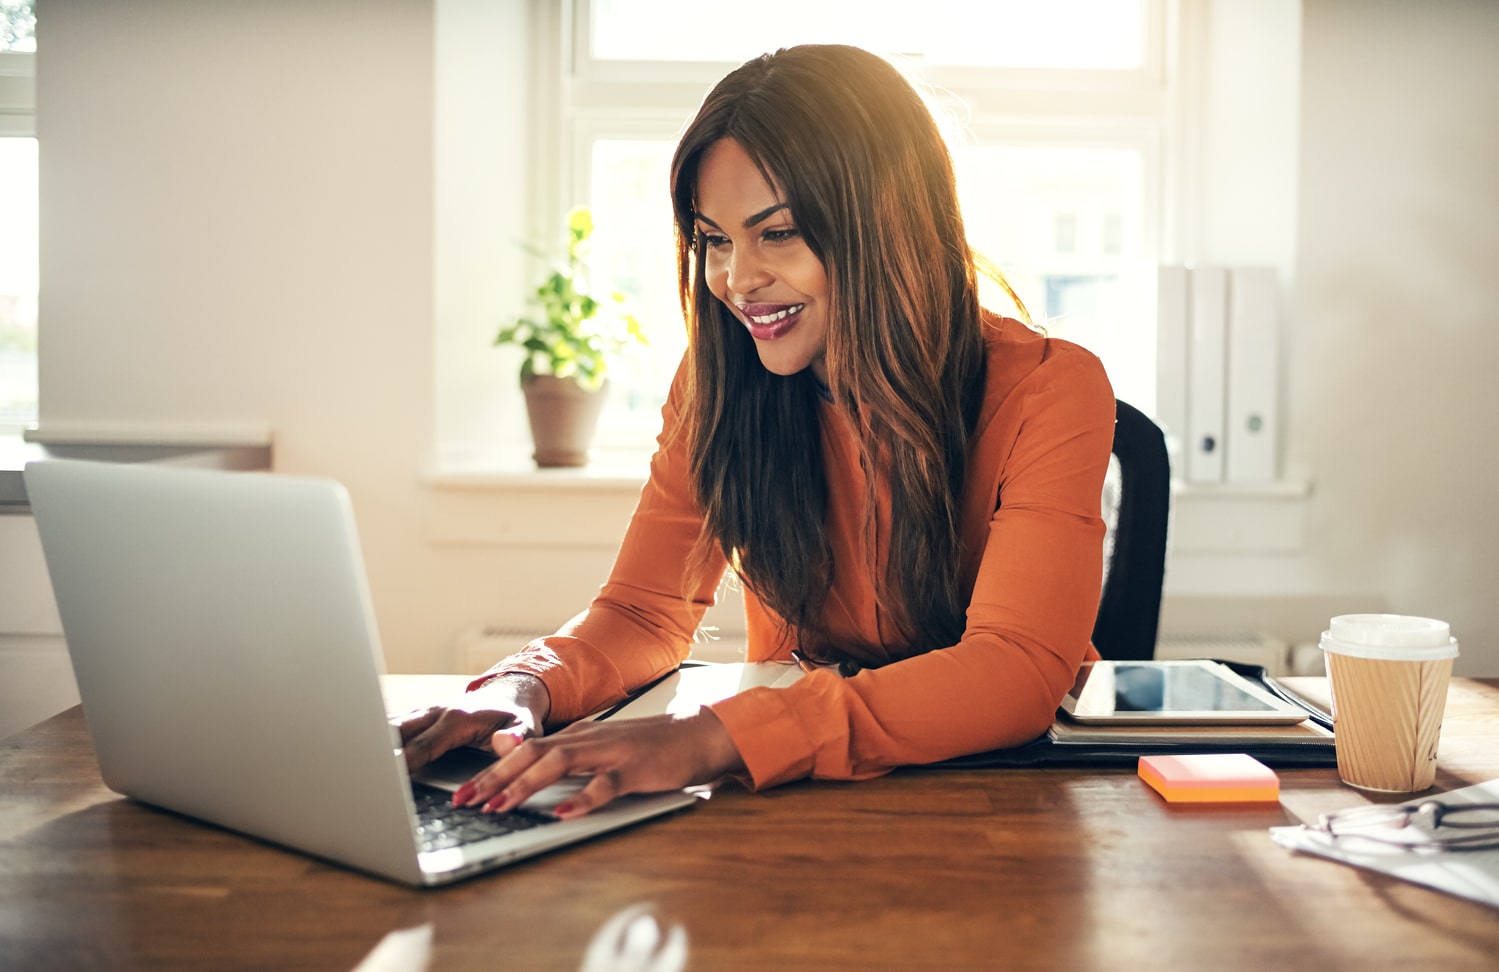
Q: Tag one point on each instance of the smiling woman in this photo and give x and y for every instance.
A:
(756, 261)
(906, 485)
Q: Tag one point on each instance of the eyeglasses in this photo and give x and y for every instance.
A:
(1429, 825)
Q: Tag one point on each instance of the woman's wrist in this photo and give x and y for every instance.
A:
(723, 755)
(522, 688)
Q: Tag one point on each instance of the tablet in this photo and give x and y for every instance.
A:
(1193, 692)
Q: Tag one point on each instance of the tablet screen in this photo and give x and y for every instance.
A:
(1189, 691)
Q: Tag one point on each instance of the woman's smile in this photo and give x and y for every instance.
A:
(766, 322)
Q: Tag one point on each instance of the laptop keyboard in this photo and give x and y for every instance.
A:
(441, 825)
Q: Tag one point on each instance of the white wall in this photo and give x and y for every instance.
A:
(1394, 346)
(239, 226)
(239, 229)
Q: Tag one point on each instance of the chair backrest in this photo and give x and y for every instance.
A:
(1138, 503)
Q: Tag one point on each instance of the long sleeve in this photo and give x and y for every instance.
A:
(1032, 538)
(640, 626)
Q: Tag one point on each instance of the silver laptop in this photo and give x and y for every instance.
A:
(221, 632)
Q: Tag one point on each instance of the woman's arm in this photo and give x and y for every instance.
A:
(1028, 623)
(640, 626)
(1028, 627)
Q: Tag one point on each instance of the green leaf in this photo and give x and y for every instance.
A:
(575, 333)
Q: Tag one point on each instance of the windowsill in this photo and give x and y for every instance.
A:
(513, 468)
(150, 435)
(1278, 489)
(628, 469)
(238, 449)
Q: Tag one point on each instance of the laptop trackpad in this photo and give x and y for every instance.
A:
(453, 768)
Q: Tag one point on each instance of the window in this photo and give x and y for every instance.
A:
(18, 216)
(1058, 121)
(984, 33)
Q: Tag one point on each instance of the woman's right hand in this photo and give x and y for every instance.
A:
(514, 702)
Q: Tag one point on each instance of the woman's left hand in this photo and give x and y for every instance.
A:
(630, 756)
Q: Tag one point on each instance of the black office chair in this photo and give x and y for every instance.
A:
(1137, 501)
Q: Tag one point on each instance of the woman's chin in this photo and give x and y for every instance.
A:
(784, 365)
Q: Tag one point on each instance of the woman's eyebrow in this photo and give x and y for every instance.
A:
(754, 220)
(765, 214)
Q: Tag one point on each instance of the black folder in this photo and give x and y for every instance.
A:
(1061, 746)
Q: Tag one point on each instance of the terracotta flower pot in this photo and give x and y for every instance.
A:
(563, 418)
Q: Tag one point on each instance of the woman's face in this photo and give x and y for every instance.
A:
(756, 262)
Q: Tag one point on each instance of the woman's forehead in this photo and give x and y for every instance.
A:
(731, 184)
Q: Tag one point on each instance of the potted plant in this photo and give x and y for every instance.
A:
(568, 344)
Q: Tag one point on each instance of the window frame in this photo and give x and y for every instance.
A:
(17, 120)
(580, 99)
(17, 94)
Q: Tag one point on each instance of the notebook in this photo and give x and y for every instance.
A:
(221, 633)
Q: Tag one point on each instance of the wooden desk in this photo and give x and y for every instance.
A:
(924, 869)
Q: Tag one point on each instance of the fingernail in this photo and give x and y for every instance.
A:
(563, 809)
(463, 794)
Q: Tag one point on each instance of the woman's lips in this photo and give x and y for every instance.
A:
(766, 322)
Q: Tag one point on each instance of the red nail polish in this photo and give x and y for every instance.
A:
(563, 809)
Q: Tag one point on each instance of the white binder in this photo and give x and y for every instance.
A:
(1207, 300)
(1171, 357)
(1251, 423)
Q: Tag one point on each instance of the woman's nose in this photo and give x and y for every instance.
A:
(747, 271)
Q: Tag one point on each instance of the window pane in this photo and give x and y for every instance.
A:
(1066, 225)
(18, 281)
(17, 25)
(635, 253)
(1098, 34)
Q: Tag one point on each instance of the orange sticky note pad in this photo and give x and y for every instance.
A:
(1211, 778)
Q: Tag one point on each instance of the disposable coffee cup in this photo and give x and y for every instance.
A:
(1388, 674)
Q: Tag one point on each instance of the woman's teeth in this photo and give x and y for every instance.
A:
(779, 315)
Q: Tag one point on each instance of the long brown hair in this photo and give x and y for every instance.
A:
(870, 185)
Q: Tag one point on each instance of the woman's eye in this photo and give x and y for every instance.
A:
(781, 235)
(712, 240)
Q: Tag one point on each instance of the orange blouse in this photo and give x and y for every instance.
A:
(1032, 554)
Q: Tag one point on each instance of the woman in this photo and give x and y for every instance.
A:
(907, 486)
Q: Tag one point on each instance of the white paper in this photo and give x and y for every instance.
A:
(633, 941)
(1472, 874)
(407, 950)
(691, 686)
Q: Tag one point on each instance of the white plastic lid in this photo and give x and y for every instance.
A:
(1396, 637)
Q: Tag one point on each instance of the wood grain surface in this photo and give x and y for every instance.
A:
(922, 869)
